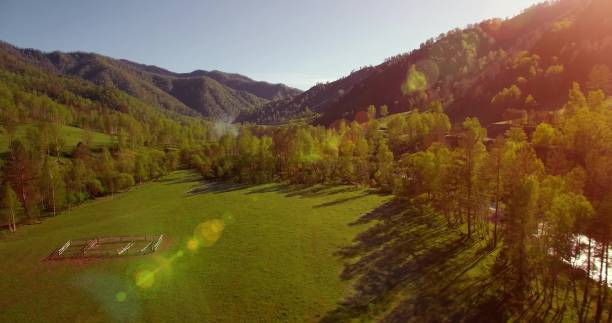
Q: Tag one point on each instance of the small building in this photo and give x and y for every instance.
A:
(499, 129)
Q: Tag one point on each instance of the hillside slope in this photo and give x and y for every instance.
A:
(211, 94)
(239, 82)
(524, 62)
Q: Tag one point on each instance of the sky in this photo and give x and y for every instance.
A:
(298, 43)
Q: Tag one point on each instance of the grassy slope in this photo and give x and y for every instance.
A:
(72, 136)
(274, 260)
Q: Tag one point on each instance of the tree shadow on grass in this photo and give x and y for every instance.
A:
(409, 266)
(303, 190)
(192, 177)
(342, 200)
(217, 187)
(289, 190)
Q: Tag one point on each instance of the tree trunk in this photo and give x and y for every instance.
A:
(601, 282)
(606, 287)
(585, 295)
(53, 198)
(52, 184)
(24, 194)
(57, 152)
(469, 210)
(13, 218)
(496, 207)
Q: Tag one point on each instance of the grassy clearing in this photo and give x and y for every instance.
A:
(274, 260)
(71, 135)
(264, 253)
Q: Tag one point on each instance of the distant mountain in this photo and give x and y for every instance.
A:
(494, 70)
(211, 94)
(318, 100)
(239, 82)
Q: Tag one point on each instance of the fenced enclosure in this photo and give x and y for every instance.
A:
(102, 247)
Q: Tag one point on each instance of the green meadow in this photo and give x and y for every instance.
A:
(267, 253)
(71, 135)
(271, 255)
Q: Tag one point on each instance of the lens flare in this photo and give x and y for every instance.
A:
(228, 218)
(209, 232)
(416, 81)
(193, 244)
(121, 297)
(145, 279)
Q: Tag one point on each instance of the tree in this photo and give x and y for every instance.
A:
(544, 135)
(576, 99)
(600, 78)
(519, 227)
(9, 202)
(362, 164)
(77, 178)
(384, 167)
(55, 138)
(52, 185)
(436, 107)
(384, 111)
(508, 98)
(530, 102)
(22, 174)
(371, 112)
(346, 167)
(473, 154)
(9, 121)
(141, 168)
(496, 174)
(106, 171)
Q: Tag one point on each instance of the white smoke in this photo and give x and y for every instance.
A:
(224, 126)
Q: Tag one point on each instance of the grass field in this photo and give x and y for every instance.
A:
(232, 254)
(72, 136)
(264, 253)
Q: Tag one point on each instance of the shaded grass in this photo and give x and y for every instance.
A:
(410, 267)
(274, 260)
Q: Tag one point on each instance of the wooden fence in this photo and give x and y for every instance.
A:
(102, 247)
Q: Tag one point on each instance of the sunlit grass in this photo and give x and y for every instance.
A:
(264, 253)
(71, 136)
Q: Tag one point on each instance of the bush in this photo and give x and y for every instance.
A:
(124, 181)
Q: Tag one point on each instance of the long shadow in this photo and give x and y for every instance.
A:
(289, 190)
(217, 187)
(191, 178)
(342, 200)
(302, 190)
(408, 266)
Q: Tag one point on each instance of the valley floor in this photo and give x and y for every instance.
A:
(259, 253)
(256, 254)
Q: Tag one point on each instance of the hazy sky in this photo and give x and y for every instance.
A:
(295, 42)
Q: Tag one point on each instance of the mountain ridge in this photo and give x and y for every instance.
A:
(210, 94)
(494, 70)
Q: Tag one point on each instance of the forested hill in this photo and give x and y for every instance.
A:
(211, 94)
(239, 82)
(494, 70)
